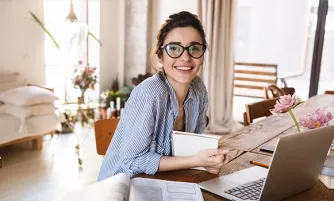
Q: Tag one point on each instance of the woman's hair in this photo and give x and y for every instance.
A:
(181, 19)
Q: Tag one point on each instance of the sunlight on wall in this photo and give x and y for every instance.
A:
(60, 64)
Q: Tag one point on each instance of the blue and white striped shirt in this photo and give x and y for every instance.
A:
(143, 134)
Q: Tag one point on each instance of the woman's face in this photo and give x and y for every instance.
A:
(184, 68)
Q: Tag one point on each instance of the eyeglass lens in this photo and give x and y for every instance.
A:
(175, 50)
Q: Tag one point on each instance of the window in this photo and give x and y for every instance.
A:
(60, 64)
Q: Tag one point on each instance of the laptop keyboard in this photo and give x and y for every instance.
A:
(249, 191)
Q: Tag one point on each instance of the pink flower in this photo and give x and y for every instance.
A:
(84, 77)
(285, 103)
(317, 119)
(79, 78)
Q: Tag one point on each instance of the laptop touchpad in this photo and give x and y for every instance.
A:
(222, 183)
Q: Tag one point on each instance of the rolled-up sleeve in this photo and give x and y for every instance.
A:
(137, 153)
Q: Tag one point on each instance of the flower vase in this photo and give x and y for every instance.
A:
(82, 97)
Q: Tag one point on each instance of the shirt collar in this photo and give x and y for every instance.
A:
(191, 93)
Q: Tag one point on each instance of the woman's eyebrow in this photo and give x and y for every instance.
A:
(173, 42)
(179, 43)
(194, 42)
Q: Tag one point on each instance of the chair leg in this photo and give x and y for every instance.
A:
(246, 123)
(52, 133)
(37, 144)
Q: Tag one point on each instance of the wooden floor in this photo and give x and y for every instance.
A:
(48, 174)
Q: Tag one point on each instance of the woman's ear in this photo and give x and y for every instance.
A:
(160, 60)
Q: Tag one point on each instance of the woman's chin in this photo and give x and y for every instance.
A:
(185, 79)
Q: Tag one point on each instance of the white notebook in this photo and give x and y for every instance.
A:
(189, 144)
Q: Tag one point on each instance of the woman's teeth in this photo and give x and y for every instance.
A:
(183, 68)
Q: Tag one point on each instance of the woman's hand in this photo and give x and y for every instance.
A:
(216, 169)
(211, 159)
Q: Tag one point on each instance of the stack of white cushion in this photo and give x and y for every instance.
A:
(24, 101)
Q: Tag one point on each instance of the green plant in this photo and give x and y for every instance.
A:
(107, 96)
(38, 21)
(111, 94)
(41, 24)
(114, 84)
(137, 80)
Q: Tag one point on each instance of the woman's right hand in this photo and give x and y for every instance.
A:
(211, 159)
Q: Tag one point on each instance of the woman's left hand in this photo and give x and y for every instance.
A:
(216, 168)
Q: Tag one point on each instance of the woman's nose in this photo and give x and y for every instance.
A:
(185, 56)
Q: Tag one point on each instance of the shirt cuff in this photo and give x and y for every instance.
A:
(153, 163)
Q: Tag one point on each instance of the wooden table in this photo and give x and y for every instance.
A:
(244, 146)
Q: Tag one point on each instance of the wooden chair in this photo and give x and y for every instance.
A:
(289, 90)
(251, 78)
(329, 92)
(258, 109)
(273, 91)
(104, 131)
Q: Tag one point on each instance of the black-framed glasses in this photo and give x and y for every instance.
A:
(174, 50)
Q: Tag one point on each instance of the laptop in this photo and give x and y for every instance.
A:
(294, 168)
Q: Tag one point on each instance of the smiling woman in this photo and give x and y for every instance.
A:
(180, 65)
(175, 98)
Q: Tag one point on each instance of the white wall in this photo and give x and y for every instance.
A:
(22, 40)
(161, 9)
(137, 38)
(275, 31)
(112, 39)
(164, 8)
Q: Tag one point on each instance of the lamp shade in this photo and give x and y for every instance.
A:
(71, 15)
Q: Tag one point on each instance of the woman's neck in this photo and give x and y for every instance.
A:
(181, 90)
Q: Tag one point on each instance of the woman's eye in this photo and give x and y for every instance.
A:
(195, 48)
(174, 48)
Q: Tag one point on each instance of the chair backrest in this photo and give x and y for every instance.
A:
(258, 109)
(289, 90)
(251, 78)
(273, 91)
(104, 131)
(329, 92)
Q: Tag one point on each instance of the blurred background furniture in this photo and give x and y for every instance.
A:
(329, 92)
(21, 123)
(289, 90)
(258, 109)
(77, 112)
(251, 78)
(273, 91)
(104, 131)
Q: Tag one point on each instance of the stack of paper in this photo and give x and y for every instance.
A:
(122, 188)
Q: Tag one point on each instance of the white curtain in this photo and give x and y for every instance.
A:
(218, 18)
